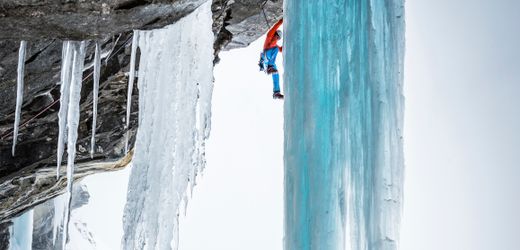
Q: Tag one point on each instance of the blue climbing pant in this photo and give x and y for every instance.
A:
(270, 56)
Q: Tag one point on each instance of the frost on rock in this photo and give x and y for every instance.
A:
(71, 81)
(95, 93)
(175, 84)
(19, 92)
(343, 124)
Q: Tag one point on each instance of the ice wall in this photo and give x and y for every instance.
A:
(343, 123)
(21, 232)
(175, 83)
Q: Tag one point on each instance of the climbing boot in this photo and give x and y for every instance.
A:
(271, 69)
(277, 95)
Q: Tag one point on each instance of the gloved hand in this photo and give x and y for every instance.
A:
(261, 63)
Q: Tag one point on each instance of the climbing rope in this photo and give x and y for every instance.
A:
(120, 47)
(5, 135)
(265, 16)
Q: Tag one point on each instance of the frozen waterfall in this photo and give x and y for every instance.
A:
(175, 81)
(343, 124)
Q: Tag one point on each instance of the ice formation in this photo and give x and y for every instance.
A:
(343, 124)
(66, 62)
(21, 232)
(59, 213)
(72, 125)
(175, 84)
(19, 91)
(131, 78)
(95, 93)
(71, 80)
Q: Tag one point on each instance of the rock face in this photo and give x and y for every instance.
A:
(32, 186)
(37, 139)
(4, 235)
(246, 20)
(82, 20)
(237, 24)
(27, 178)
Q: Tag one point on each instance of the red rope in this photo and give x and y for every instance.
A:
(9, 133)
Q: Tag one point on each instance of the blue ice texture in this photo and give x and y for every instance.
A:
(21, 232)
(343, 124)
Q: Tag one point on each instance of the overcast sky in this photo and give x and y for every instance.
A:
(238, 203)
(462, 144)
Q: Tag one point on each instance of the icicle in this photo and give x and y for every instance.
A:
(19, 91)
(131, 78)
(66, 69)
(72, 125)
(97, 69)
(59, 207)
(66, 65)
(176, 67)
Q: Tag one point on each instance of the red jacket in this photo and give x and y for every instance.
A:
(271, 40)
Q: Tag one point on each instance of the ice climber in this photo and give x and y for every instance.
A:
(268, 56)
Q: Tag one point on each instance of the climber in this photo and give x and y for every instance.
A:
(268, 56)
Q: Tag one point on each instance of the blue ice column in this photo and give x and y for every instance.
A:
(343, 124)
(21, 232)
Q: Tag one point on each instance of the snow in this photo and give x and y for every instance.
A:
(81, 237)
(131, 78)
(343, 124)
(19, 91)
(107, 226)
(95, 93)
(175, 82)
(21, 232)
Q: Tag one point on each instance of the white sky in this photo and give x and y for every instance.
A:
(238, 203)
(462, 147)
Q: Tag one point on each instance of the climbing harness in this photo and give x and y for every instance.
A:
(262, 61)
